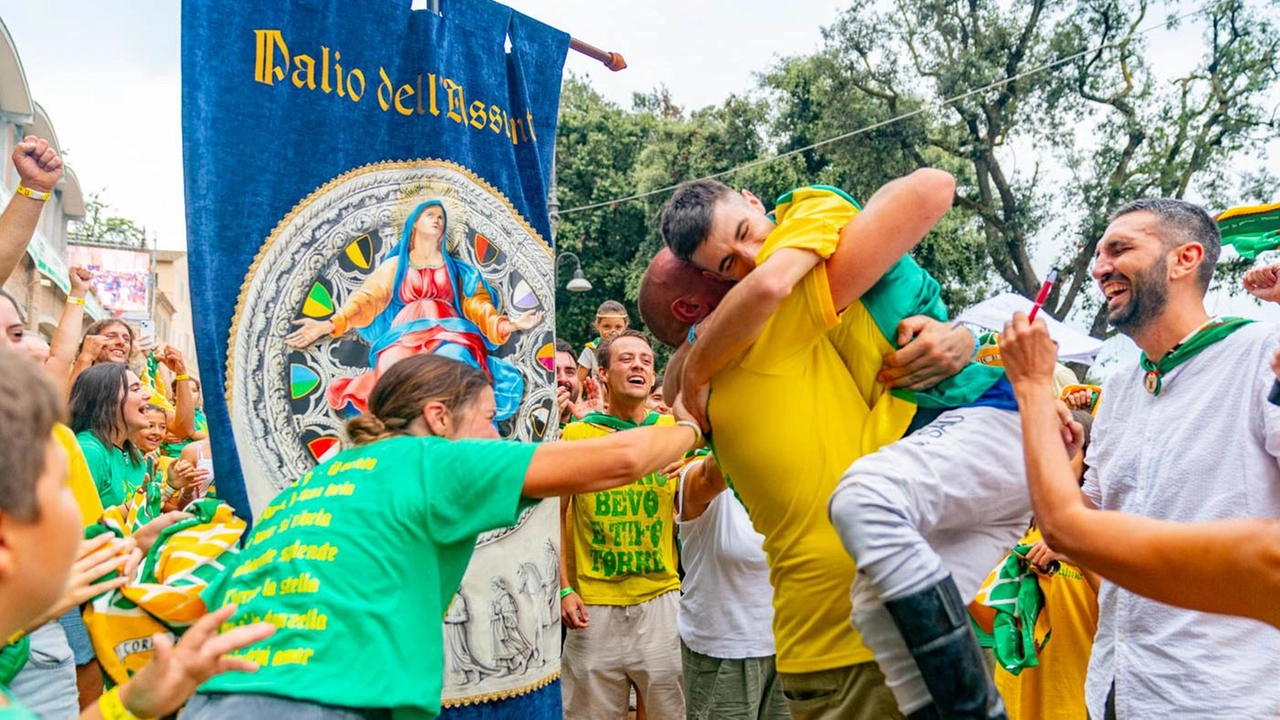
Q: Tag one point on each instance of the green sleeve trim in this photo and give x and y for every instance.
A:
(13, 658)
(841, 193)
(907, 290)
(956, 391)
(787, 196)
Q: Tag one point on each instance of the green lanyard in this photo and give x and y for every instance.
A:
(1204, 336)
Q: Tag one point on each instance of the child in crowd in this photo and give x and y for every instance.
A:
(177, 475)
(611, 320)
(1063, 629)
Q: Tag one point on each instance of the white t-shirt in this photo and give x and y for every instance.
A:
(1206, 448)
(587, 359)
(726, 610)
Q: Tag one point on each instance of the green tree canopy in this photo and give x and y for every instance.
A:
(101, 226)
(1051, 116)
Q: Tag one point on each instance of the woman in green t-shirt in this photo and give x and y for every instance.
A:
(357, 562)
(108, 405)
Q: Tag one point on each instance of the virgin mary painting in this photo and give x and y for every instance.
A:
(422, 300)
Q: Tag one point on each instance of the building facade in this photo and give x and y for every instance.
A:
(173, 304)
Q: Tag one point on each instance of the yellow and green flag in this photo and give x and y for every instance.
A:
(1251, 229)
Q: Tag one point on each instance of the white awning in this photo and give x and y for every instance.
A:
(1073, 345)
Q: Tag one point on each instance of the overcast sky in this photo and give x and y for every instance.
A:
(108, 75)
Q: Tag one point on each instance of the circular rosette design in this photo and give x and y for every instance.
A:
(282, 412)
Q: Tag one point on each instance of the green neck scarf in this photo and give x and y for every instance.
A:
(1207, 334)
(13, 658)
(596, 417)
(1017, 600)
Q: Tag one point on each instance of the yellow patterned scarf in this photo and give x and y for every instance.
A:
(164, 594)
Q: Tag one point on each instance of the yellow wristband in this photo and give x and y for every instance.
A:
(25, 191)
(112, 707)
(180, 377)
(74, 300)
(16, 637)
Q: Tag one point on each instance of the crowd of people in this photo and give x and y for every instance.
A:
(823, 507)
(897, 495)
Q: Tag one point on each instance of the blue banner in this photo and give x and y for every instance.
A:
(333, 150)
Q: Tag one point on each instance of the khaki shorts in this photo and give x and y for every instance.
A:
(855, 692)
(624, 644)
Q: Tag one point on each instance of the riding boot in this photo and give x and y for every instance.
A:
(935, 625)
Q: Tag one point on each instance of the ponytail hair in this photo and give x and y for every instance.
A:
(403, 390)
(365, 429)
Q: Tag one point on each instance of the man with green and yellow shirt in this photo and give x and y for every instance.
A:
(620, 586)
(876, 303)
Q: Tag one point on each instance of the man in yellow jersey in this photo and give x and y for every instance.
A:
(620, 589)
(786, 469)
(926, 517)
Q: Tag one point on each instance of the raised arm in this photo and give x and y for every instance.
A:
(184, 404)
(703, 481)
(39, 169)
(742, 314)
(895, 220)
(62, 351)
(1237, 571)
(569, 468)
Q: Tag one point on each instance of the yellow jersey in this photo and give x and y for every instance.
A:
(623, 539)
(816, 372)
(1069, 619)
(785, 463)
(79, 479)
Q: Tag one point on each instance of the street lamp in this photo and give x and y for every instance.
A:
(579, 282)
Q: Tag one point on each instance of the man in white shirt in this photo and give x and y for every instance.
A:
(726, 603)
(1185, 435)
